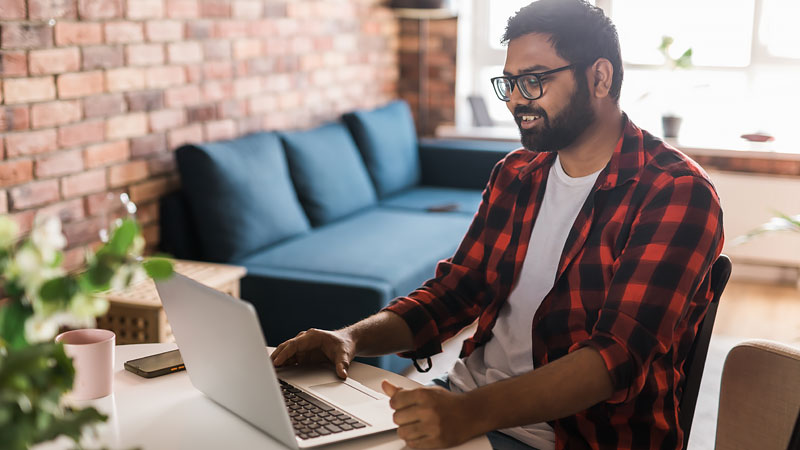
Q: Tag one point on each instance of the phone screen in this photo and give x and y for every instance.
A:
(157, 362)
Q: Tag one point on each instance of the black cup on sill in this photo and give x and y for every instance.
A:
(671, 125)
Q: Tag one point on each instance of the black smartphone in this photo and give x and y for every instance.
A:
(156, 365)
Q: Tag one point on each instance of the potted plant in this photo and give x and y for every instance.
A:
(41, 298)
(671, 121)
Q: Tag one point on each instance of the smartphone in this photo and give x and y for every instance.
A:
(156, 365)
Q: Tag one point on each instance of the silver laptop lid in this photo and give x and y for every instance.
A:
(222, 345)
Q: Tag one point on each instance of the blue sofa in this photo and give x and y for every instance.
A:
(331, 223)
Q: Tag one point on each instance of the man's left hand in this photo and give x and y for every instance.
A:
(431, 417)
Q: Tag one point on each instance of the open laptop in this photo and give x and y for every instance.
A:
(225, 354)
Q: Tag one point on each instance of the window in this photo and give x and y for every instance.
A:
(745, 53)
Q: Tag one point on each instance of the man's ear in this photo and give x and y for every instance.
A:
(600, 75)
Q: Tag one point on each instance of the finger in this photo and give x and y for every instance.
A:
(389, 389)
(282, 353)
(411, 432)
(425, 442)
(406, 416)
(404, 398)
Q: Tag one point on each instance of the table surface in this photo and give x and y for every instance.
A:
(167, 412)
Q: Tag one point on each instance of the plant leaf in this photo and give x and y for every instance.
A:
(12, 323)
(122, 238)
(158, 268)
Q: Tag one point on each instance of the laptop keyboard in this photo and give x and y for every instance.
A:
(311, 417)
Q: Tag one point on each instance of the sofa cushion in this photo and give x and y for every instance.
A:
(399, 247)
(240, 195)
(436, 199)
(328, 172)
(388, 141)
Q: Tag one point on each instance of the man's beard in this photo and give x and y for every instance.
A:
(564, 129)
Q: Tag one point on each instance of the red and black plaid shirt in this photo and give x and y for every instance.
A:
(633, 283)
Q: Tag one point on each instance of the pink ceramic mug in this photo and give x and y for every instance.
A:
(92, 353)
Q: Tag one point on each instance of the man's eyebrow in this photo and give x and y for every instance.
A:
(535, 68)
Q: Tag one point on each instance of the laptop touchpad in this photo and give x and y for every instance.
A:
(341, 393)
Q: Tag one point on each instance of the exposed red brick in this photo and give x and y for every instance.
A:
(182, 9)
(261, 66)
(184, 52)
(52, 61)
(33, 194)
(262, 104)
(15, 172)
(130, 125)
(201, 113)
(145, 100)
(12, 9)
(30, 143)
(145, 9)
(99, 9)
(151, 189)
(249, 125)
(216, 49)
(162, 77)
(147, 213)
(247, 9)
(231, 29)
(106, 153)
(215, 8)
(167, 119)
(104, 202)
(14, 118)
(84, 183)
(81, 133)
(25, 35)
(194, 73)
(13, 64)
(55, 113)
(24, 220)
(26, 90)
(3, 202)
(199, 29)
(145, 54)
(246, 49)
(217, 90)
(128, 173)
(247, 87)
(84, 231)
(125, 79)
(220, 130)
(162, 163)
(68, 211)
(72, 85)
(104, 105)
(103, 57)
(182, 96)
(217, 70)
(163, 30)
(123, 32)
(59, 163)
(151, 236)
(78, 33)
(233, 109)
(52, 9)
(188, 134)
(148, 145)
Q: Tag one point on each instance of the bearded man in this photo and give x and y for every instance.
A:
(586, 267)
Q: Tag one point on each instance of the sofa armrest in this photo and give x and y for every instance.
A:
(178, 236)
(460, 163)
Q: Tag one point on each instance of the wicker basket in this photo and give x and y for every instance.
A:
(136, 316)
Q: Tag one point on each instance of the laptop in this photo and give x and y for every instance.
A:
(225, 354)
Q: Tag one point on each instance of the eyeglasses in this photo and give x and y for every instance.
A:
(530, 84)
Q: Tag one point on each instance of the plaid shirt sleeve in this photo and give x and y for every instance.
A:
(671, 247)
(454, 298)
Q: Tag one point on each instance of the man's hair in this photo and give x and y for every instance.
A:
(580, 33)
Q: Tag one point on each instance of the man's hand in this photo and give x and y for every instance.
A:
(315, 346)
(431, 417)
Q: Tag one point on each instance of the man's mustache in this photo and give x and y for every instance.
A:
(523, 109)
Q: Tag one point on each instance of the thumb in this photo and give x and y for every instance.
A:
(389, 389)
(341, 369)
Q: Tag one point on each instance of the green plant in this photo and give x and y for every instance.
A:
(682, 62)
(781, 222)
(42, 298)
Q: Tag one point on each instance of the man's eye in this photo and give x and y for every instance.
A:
(531, 82)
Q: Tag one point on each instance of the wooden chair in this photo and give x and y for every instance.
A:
(696, 360)
(759, 397)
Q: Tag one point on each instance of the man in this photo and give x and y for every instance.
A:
(586, 267)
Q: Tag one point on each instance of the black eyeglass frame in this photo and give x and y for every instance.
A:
(513, 82)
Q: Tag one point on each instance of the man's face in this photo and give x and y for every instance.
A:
(556, 119)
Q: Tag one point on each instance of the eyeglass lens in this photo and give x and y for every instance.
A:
(529, 86)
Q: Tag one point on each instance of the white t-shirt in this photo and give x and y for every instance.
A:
(509, 352)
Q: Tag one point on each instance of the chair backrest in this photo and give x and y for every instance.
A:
(759, 397)
(794, 442)
(696, 360)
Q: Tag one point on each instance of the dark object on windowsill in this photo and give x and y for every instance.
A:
(671, 125)
(758, 137)
(421, 4)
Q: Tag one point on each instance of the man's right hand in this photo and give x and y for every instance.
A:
(314, 346)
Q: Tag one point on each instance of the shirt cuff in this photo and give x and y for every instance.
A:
(422, 325)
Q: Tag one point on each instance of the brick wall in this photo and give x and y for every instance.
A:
(430, 93)
(95, 94)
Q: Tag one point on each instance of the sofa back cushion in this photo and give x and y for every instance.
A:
(240, 195)
(387, 139)
(328, 172)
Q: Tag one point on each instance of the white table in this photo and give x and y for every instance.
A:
(167, 412)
